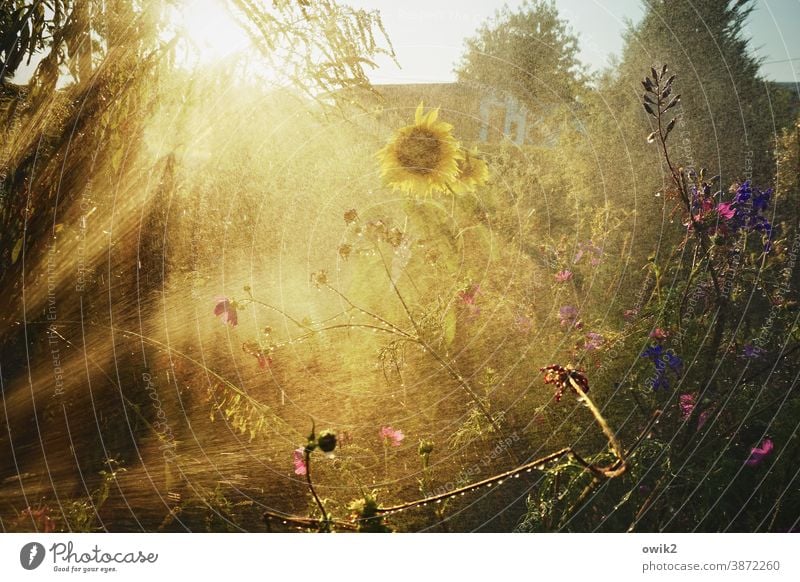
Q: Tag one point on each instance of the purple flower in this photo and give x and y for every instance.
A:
(663, 360)
(593, 341)
(591, 248)
(392, 436)
(225, 309)
(299, 460)
(758, 454)
(523, 323)
(563, 276)
(569, 317)
(752, 352)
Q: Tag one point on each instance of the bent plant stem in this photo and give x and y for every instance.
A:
(325, 520)
(621, 465)
(601, 473)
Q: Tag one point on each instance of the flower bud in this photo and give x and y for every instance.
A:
(327, 441)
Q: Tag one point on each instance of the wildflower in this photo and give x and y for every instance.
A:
(701, 421)
(593, 341)
(662, 361)
(523, 323)
(392, 436)
(758, 454)
(568, 315)
(686, 403)
(591, 248)
(726, 210)
(299, 460)
(259, 352)
(659, 334)
(629, 314)
(468, 298)
(422, 157)
(469, 294)
(40, 517)
(563, 276)
(752, 352)
(472, 172)
(225, 309)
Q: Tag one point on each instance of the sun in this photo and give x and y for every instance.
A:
(210, 32)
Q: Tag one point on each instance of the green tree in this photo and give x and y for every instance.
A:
(729, 120)
(530, 52)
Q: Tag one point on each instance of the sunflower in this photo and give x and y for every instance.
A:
(423, 157)
(472, 172)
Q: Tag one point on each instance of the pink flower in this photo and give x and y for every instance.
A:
(701, 421)
(225, 309)
(392, 436)
(686, 404)
(469, 294)
(659, 334)
(758, 454)
(725, 211)
(593, 341)
(563, 276)
(629, 314)
(299, 460)
(40, 517)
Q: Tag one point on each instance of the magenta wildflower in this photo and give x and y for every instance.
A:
(563, 276)
(392, 436)
(686, 404)
(299, 460)
(629, 314)
(726, 210)
(225, 309)
(468, 299)
(469, 294)
(758, 454)
(659, 334)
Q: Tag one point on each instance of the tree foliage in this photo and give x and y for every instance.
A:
(530, 52)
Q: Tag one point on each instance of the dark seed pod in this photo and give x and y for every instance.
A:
(649, 109)
(670, 126)
(327, 441)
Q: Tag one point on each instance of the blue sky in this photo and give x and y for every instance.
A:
(428, 35)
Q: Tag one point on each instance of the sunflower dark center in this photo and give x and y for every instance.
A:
(419, 151)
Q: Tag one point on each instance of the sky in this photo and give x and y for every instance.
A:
(428, 35)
